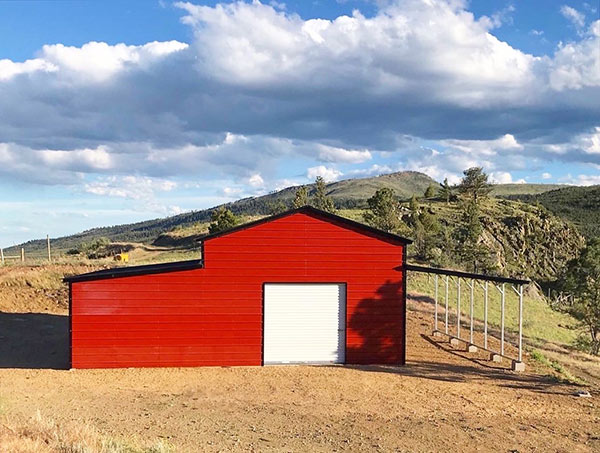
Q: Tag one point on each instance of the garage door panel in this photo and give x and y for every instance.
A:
(304, 323)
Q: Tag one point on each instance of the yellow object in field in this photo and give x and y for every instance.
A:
(124, 257)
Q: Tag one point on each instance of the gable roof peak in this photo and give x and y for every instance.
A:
(314, 212)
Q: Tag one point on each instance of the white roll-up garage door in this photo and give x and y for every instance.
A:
(304, 323)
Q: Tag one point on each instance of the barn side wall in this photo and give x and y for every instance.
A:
(213, 316)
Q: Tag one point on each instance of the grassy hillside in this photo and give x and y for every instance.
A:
(404, 184)
(579, 205)
(503, 190)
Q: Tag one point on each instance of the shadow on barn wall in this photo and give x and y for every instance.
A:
(34, 340)
(378, 322)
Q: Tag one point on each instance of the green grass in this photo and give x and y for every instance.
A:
(168, 256)
(352, 214)
(540, 322)
(190, 230)
(563, 374)
(500, 190)
(404, 184)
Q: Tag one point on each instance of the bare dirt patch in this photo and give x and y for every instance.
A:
(443, 400)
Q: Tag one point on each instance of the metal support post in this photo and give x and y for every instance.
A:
(520, 323)
(472, 287)
(485, 315)
(520, 294)
(447, 282)
(435, 321)
(502, 319)
(458, 307)
(48, 245)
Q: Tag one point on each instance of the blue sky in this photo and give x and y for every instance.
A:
(113, 112)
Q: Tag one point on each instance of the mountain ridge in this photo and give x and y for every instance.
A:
(349, 193)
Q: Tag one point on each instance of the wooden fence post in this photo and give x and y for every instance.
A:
(22, 255)
(48, 243)
(1, 256)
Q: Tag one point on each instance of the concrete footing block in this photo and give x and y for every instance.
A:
(437, 333)
(495, 357)
(454, 341)
(518, 366)
(472, 348)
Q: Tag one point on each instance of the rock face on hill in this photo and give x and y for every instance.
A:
(528, 240)
(579, 205)
(524, 240)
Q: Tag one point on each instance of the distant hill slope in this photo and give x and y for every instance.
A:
(350, 193)
(404, 184)
(503, 190)
(579, 205)
(347, 193)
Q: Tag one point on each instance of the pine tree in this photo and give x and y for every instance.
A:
(581, 281)
(475, 184)
(426, 234)
(446, 192)
(430, 192)
(383, 211)
(322, 201)
(413, 207)
(472, 252)
(222, 219)
(301, 197)
(444, 250)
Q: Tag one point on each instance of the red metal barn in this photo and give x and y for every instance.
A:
(304, 286)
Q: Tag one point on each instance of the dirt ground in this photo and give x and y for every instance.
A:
(443, 400)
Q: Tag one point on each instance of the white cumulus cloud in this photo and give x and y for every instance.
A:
(256, 180)
(134, 187)
(504, 177)
(258, 86)
(9, 69)
(328, 174)
(98, 60)
(335, 154)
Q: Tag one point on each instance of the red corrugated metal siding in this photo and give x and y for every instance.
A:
(213, 316)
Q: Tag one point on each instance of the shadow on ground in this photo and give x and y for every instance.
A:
(34, 340)
(421, 298)
(471, 369)
(448, 372)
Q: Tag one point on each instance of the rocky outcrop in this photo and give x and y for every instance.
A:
(528, 240)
